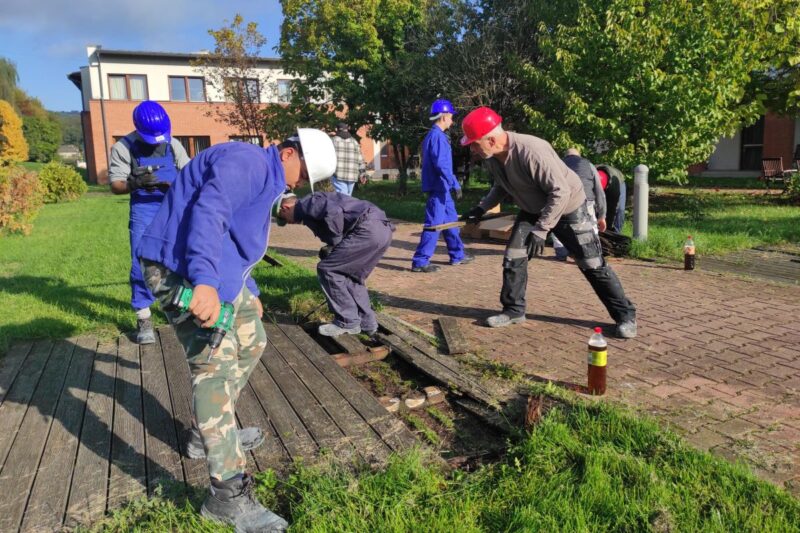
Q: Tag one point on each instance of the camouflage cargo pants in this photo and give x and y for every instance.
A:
(218, 376)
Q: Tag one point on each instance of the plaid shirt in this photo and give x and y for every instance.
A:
(349, 162)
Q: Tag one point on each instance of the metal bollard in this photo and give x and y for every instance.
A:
(641, 192)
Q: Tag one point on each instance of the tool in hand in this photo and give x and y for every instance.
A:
(179, 301)
(459, 223)
(145, 178)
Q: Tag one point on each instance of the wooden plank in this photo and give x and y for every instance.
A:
(290, 429)
(48, 499)
(389, 427)
(178, 376)
(161, 440)
(19, 395)
(502, 223)
(359, 358)
(272, 261)
(127, 476)
(314, 417)
(10, 365)
(87, 498)
(437, 371)
(17, 476)
(349, 343)
(456, 343)
(271, 454)
(356, 430)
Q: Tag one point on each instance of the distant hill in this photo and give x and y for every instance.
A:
(70, 126)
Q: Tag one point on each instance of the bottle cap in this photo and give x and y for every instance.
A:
(688, 236)
(598, 329)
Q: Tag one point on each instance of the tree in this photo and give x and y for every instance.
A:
(43, 136)
(231, 70)
(373, 59)
(71, 132)
(649, 82)
(13, 148)
(29, 106)
(8, 80)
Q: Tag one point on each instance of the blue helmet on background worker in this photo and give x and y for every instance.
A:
(152, 122)
(441, 106)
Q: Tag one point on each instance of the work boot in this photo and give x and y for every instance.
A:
(249, 438)
(427, 269)
(144, 331)
(232, 502)
(502, 320)
(468, 258)
(332, 330)
(626, 329)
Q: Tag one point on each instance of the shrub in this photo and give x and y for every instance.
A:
(793, 188)
(21, 197)
(61, 182)
(13, 147)
(43, 136)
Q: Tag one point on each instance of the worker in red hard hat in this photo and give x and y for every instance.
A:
(551, 198)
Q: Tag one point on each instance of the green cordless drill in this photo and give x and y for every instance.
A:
(179, 301)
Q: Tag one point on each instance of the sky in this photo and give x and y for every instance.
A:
(47, 39)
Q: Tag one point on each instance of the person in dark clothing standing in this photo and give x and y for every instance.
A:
(356, 235)
(550, 197)
(613, 182)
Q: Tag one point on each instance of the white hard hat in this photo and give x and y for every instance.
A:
(318, 153)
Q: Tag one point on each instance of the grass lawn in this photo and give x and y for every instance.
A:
(583, 468)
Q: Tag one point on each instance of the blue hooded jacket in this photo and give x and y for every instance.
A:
(437, 162)
(213, 225)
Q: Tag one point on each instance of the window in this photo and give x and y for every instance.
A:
(248, 88)
(181, 87)
(252, 139)
(752, 146)
(194, 144)
(284, 91)
(127, 87)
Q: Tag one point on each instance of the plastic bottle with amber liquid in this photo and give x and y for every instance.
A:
(597, 359)
(688, 254)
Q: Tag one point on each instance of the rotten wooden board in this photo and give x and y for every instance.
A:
(456, 343)
(360, 358)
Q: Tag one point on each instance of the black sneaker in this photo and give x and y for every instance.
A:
(232, 502)
(144, 331)
(468, 258)
(427, 269)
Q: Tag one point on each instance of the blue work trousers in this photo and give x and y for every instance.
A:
(141, 216)
(440, 209)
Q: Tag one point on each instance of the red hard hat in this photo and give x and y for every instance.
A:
(478, 123)
(603, 177)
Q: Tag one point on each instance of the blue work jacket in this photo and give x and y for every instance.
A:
(437, 162)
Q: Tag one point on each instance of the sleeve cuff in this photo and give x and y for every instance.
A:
(541, 233)
(205, 280)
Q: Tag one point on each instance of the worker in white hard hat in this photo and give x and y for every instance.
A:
(211, 230)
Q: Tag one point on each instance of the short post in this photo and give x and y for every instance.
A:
(641, 192)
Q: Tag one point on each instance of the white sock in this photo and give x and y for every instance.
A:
(142, 314)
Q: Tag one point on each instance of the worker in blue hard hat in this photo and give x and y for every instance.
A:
(438, 180)
(143, 164)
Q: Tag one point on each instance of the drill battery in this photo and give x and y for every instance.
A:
(179, 301)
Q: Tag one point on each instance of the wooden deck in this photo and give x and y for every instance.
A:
(86, 426)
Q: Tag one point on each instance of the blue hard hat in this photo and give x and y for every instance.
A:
(152, 122)
(442, 106)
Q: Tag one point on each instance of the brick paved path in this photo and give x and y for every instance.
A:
(717, 357)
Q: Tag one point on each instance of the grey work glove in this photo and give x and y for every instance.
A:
(535, 245)
(143, 178)
(474, 215)
(458, 193)
(325, 251)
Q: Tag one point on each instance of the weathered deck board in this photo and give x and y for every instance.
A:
(48, 499)
(456, 343)
(87, 498)
(128, 479)
(86, 426)
(19, 471)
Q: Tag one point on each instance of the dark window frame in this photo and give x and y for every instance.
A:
(194, 144)
(243, 82)
(128, 86)
(187, 92)
(248, 139)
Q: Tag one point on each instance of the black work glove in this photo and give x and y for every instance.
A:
(535, 245)
(325, 251)
(474, 215)
(458, 193)
(143, 178)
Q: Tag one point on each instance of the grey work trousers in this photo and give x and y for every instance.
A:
(576, 232)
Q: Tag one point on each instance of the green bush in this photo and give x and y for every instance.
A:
(793, 189)
(21, 197)
(61, 182)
